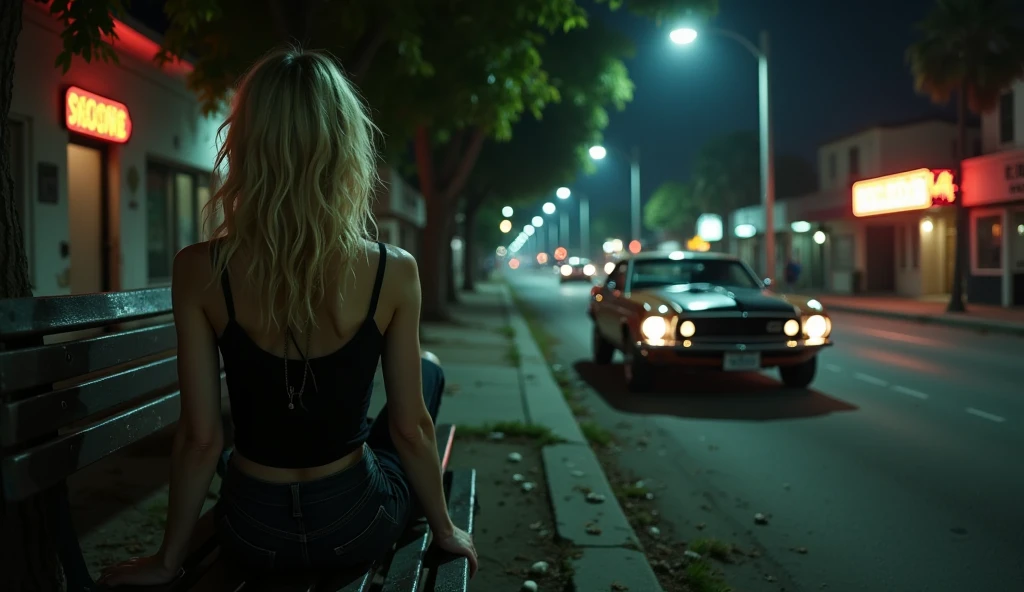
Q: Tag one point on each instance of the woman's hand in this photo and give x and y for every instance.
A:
(460, 543)
(139, 571)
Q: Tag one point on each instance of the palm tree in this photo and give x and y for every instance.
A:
(973, 49)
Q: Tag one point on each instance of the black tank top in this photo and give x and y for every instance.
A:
(330, 419)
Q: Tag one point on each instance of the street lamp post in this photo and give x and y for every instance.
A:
(565, 193)
(766, 144)
(598, 153)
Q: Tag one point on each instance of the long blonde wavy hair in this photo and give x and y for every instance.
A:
(299, 168)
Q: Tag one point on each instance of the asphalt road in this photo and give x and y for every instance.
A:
(901, 470)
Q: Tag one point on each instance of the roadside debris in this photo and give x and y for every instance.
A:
(528, 486)
(692, 555)
(518, 477)
(529, 586)
(595, 498)
(496, 436)
(760, 518)
(515, 457)
(540, 568)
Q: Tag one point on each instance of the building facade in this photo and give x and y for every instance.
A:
(880, 222)
(112, 165)
(994, 193)
(112, 162)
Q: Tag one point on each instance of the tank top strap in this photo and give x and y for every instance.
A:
(379, 281)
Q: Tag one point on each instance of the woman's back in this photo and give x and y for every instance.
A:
(308, 412)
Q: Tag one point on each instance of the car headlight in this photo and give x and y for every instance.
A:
(589, 269)
(816, 327)
(566, 270)
(687, 329)
(654, 328)
(609, 267)
(791, 328)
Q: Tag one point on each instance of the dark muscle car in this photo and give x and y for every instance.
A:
(703, 311)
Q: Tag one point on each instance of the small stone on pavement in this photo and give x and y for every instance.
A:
(577, 473)
(540, 568)
(529, 586)
(518, 477)
(595, 498)
(691, 555)
(515, 457)
(528, 486)
(654, 530)
(760, 518)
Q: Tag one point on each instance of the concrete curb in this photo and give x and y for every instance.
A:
(946, 320)
(600, 530)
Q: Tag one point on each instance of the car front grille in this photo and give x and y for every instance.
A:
(759, 327)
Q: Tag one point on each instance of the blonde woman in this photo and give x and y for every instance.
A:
(301, 305)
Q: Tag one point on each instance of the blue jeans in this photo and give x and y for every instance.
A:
(349, 518)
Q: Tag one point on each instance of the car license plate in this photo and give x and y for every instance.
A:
(744, 362)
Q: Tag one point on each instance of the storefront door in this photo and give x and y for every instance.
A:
(86, 229)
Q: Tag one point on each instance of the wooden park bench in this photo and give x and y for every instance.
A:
(66, 405)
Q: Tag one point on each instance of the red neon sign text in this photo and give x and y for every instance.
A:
(904, 192)
(95, 116)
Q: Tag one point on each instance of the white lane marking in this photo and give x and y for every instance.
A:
(892, 335)
(870, 379)
(985, 415)
(833, 368)
(910, 392)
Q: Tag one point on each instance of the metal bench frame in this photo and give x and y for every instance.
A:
(68, 404)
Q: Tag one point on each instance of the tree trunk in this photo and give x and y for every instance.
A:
(28, 552)
(433, 256)
(469, 262)
(956, 293)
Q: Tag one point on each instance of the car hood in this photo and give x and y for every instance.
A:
(706, 297)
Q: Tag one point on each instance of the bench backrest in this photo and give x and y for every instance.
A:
(67, 404)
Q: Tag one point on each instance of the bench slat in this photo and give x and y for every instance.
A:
(452, 575)
(24, 317)
(48, 412)
(44, 365)
(37, 468)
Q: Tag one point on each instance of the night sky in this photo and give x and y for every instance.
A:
(836, 67)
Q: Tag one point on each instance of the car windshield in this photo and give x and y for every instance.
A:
(666, 272)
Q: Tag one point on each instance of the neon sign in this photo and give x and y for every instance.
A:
(95, 116)
(903, 192)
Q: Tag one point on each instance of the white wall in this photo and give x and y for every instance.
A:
(167, 125)
(866, 142)
(927, 144)
(990, 124)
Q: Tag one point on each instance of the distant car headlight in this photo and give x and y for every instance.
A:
(816, 327)
(609, 267)
(791, 328)
(687, 329)
(566, 270)
(589, 269)
(654, 328)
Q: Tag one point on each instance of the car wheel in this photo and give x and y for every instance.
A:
(639, 373)
(801, 375)
(603, 351)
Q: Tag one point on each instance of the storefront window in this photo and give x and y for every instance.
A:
(174, 200)
(988, 237)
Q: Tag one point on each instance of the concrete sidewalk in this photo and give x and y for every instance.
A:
(498, 374)
(979, 317)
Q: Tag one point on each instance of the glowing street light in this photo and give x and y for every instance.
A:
(506, 211)
(505, 226)
(549, 208)
(563, 193)
(683, 36)
(529, 230)
(537, 221)
(597, 152)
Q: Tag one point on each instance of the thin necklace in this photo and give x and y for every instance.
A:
(290, 390)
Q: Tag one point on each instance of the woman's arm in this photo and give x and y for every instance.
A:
(412, 429)
(199, 439)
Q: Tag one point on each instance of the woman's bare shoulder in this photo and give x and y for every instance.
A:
(193, 265)
(400, 263)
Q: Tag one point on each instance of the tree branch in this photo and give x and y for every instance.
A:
(468, 161)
